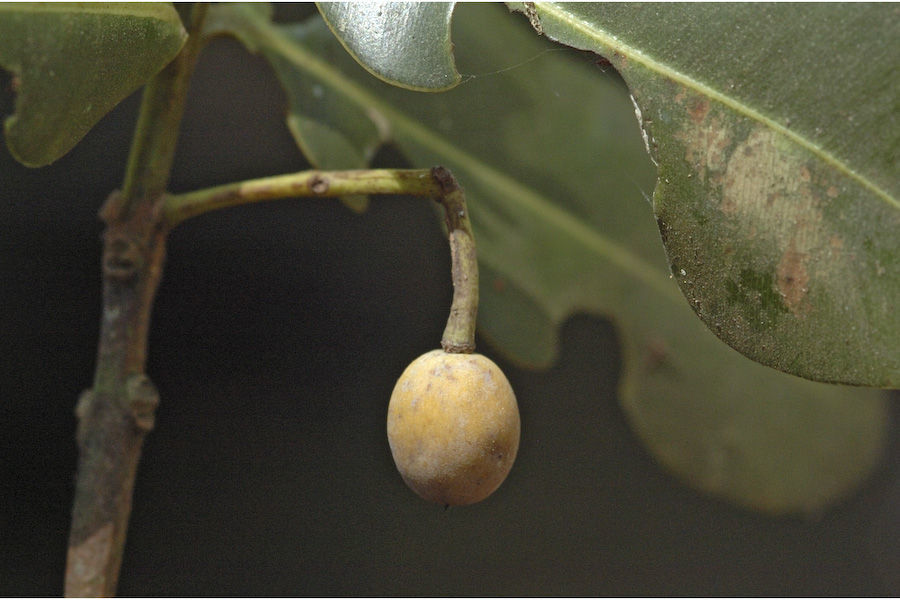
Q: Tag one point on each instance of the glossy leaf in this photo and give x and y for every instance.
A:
(554, 169)
(404, 43)
(776, 132)
(72, 63)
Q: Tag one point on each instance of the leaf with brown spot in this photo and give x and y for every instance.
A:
(775, 131)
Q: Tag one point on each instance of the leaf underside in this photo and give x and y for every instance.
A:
(554, 170)
(776, 129)
(72, 63)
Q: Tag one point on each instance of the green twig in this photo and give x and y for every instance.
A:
(159, 120)
(437, 183)
(326, 184)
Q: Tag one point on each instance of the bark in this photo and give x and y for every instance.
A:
(116, 414)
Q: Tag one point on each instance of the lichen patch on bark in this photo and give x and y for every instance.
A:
(87, 575)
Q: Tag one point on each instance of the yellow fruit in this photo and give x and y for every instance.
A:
(453, 426)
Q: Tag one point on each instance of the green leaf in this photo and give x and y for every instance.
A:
(775, 128)
(404, 43)
(334, 132)
(546, 147)
(73, 63)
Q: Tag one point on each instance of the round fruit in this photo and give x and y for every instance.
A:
(453, 426)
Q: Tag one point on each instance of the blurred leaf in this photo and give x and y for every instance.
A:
(546, 147)
(73, 63)
(334, 132)
(777, 130)
(404, 43)
(230, 22)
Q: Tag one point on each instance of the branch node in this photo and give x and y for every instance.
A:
(122, 257)
(143, 399)
(444, 179)
(112, 208)
(319, 185)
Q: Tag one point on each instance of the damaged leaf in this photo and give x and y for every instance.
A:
(775, 130)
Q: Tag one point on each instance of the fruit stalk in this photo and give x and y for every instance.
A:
(177, 208)
(459, 334)
(438, 183)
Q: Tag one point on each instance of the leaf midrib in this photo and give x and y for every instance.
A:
(615, 253)
(609, 41)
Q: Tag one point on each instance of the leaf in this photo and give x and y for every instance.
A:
(778, 199)
(73, 63)
(546, 147)
(404, 43)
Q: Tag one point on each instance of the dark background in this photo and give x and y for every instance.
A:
(277, 336)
